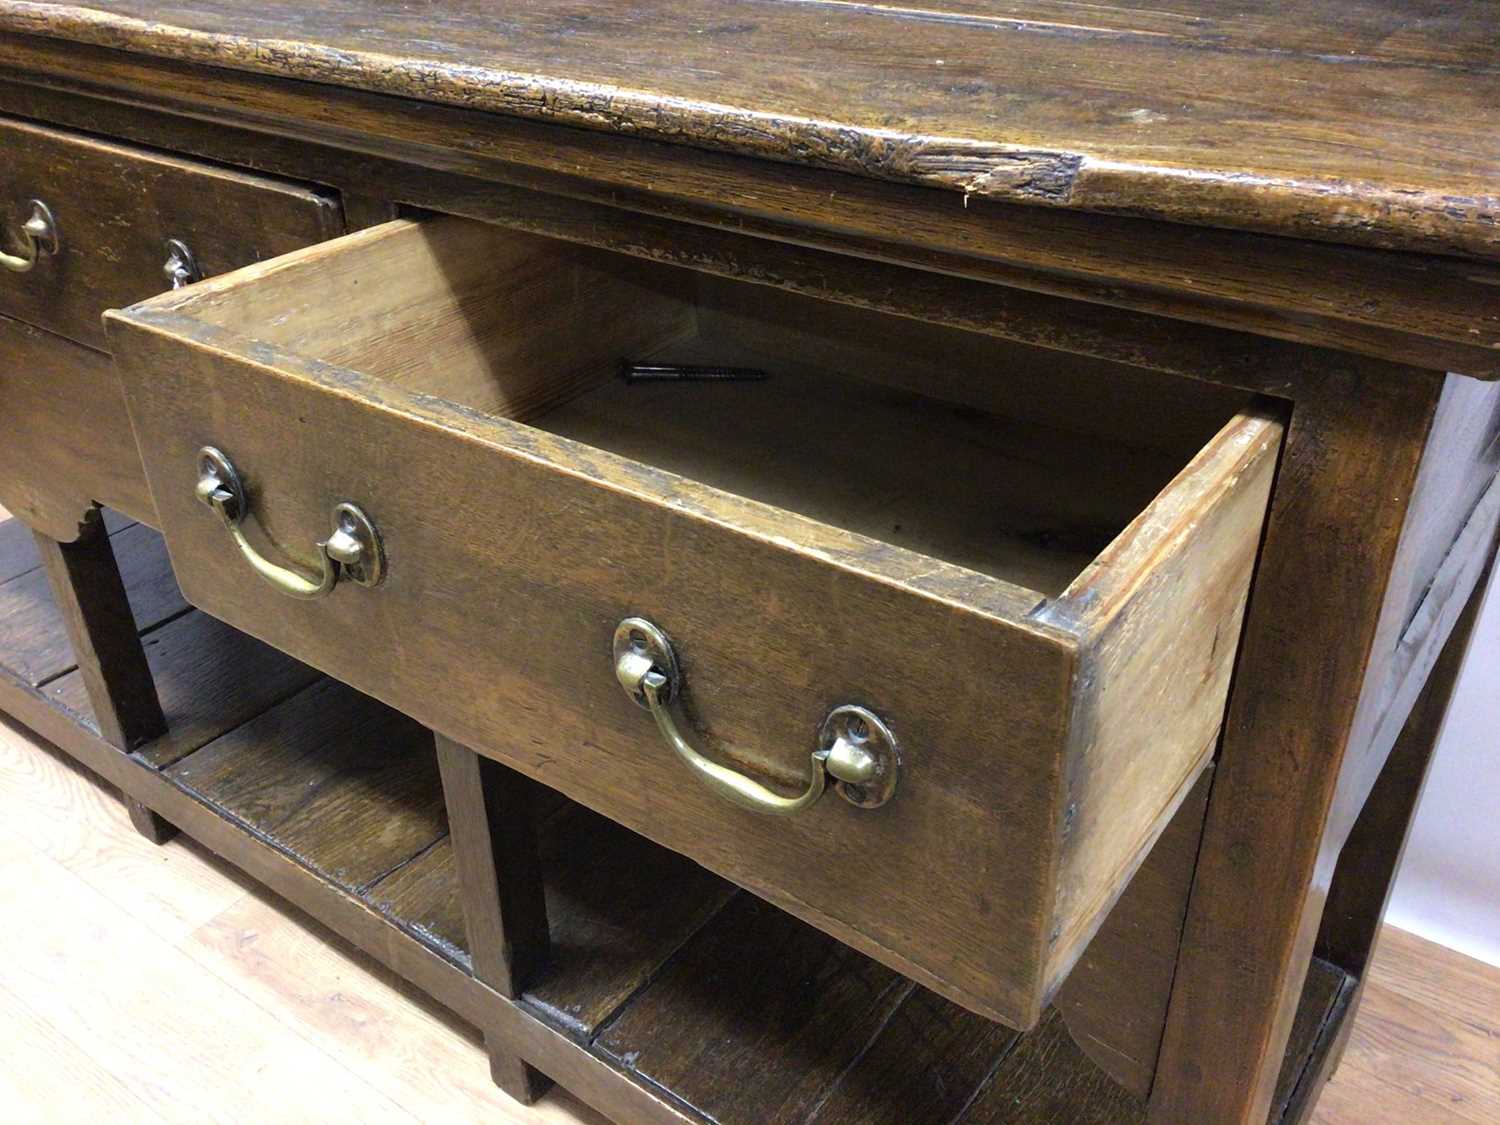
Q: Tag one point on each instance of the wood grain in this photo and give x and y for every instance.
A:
(1160, 611)
(492, 837)
(66, 813)
(1387, 148)
(47, 1073)
(66, 963)
(1325, 999)
(35, 638)
(336, 1002)
(925, 1064)
(115, 208)
(1423, 310)
(612, 927)
(1114, 1002)
(905, 474)
(796, 1017)
(1411, 1045)
(882, 1071)
(50, 474)
(343, 1004)
(1337, 512)
(588, 1077)
(89, 593)
(202, 698)
(345, 785)
(1048, 1079)
(510, 616)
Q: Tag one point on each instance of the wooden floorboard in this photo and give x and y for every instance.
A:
(1426, 1043)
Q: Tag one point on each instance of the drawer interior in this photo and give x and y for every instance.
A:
(1012, 461)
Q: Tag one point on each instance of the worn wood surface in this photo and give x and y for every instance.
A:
(340, 782)
(116, 206)
(90, 595)
(278, 1015)
(1371, 856)
(796, 1018)
(592, 1080)
(509, 616)
(612, 902)
(1106, 107)
(103, 636)
(1047, 1079)
(1322, 1019)
(1419, 309)
(201, 699)
(628, 951)
(906, 477)
(483, 317)
(68, 443)
(1114, 1002)
(190, 919)
(1337, 513)
(491, 814)
(1159, 612)
(37, 647)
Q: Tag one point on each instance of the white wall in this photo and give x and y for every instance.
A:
(1449, 886)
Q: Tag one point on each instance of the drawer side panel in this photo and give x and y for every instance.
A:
(1160, 618)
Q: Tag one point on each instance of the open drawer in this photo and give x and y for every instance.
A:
(1004, 642)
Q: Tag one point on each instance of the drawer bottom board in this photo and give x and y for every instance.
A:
(671, 995)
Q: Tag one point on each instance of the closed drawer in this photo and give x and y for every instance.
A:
(67, 441)
(1044, 619)
(113, 209)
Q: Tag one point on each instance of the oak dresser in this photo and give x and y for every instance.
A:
(786, 560)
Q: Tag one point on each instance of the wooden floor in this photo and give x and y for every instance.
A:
(155, 984)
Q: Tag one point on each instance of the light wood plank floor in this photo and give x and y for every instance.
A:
(155, 984)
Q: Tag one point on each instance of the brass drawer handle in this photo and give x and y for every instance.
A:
(181, 268)
(39, 232)
(353, 551)
(854, 747)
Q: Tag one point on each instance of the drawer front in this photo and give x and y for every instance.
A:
(113, 210)
(1043, 744)
(68, 442)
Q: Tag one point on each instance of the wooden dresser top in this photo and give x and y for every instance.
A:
(1358, 121)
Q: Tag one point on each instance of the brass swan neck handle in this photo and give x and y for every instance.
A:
(353, 550)
(39, 235)
(855, 750)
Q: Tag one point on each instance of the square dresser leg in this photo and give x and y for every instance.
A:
(491, 821)
(86, 584)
